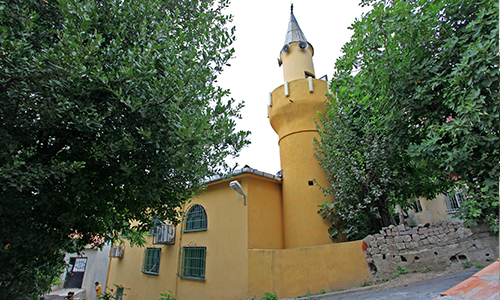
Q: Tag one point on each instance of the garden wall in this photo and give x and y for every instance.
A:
(437, 247)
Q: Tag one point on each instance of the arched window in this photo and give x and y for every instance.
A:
(196, 219)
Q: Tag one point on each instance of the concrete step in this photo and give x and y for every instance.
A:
(62, 293)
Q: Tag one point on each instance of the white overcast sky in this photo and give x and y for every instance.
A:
(261, 26)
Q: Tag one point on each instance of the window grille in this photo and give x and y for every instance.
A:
(196, 219)
(151, 261)
(192, 263)
(418, 206)
(453, 201)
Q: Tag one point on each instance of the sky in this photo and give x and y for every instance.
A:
(261, 26)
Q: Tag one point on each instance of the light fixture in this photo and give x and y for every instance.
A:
(236, 186)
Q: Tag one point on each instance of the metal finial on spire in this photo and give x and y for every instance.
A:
(294, 33)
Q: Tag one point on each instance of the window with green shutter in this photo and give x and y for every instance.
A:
(192, 263)
(151, 261)
(196, 219)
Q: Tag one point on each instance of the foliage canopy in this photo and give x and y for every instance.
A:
(423, 76)
(109, 112)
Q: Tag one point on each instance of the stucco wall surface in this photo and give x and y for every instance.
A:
(226, 242)
(292, 117)
(265, 214)
(296, 61)
(96, 269)
(295, 272)
(432, 211)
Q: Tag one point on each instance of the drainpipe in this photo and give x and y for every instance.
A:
(109, 267)
(179, 255)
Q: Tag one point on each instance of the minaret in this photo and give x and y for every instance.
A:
(292, 110)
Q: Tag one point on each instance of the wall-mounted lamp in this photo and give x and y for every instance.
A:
(236, 186)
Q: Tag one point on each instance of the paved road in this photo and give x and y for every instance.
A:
(427, 290)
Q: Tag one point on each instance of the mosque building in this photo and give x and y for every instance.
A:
(254, 232)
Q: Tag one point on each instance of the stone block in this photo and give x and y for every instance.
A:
(398, 239)
(480, 228)
(375, 251)
(381, 241)
(389, 233)
(392, 247)
(482, 235)
(376, 235)
(389, 240)
(412, 231)
(424, 242)
(443, 244)
(433, 239)
(464, 232)
(443, 237)
(401, 227)
(368, 239)
(400, 246)
(384, 249)
(373, 244)
(377, 257)
(406, 238)
(415, 237)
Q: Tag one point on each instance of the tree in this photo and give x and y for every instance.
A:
(428, 73)
(368, 173)
(110, 113)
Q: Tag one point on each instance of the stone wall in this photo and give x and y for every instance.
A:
(438, 247)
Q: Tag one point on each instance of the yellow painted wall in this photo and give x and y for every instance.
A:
(296, 61)
(292, 118)
(295, 272)
(432, 211)
(225, 239)
(265, 213)
(127, 272)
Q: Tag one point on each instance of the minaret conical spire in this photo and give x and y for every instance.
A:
(294, 33)
(296, 55)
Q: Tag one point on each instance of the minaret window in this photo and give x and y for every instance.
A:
(307, 75)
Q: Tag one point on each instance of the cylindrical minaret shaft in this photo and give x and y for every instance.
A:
(293, 109)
